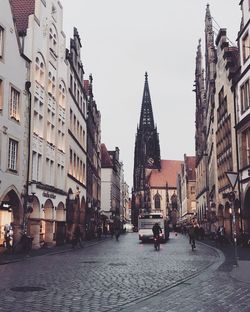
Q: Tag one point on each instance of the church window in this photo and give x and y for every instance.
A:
(157, 199)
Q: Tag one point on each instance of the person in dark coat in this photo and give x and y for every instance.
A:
(77, 237)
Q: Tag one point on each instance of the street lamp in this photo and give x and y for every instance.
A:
(232, 178)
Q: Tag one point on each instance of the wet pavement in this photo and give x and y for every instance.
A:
(124, 276)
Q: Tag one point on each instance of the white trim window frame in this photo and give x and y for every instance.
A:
(245, 96)
(245, 47)
(1, 42)
(12, 155)
(14, 104)
(1, 94)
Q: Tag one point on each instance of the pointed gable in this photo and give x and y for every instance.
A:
(167, 175)
(190, 167)
(106, 161)
(21, 11)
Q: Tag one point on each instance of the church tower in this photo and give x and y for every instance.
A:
(146, 155)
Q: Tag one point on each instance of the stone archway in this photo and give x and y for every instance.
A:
(82, 217)
(49, 222)
(34, 223)
(60, 225)
(246, 211)
(11, 212)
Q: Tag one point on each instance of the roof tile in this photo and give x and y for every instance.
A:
(167, 174)
(21, 11)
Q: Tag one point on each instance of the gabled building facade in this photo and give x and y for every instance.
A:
(242, 99)
(14, 125)
(110, 184)
(93, 160)
(76, 139)
(39, 26)
(187, 197)
(224, 119)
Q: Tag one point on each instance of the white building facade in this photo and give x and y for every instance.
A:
(76, 139)
(242, 99)
(43, 41)
(14, 71)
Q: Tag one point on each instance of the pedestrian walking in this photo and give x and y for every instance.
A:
(77, 237)
(105, 230)
(111, 230)
(99, 232)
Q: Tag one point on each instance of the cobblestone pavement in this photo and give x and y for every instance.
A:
(112, 275)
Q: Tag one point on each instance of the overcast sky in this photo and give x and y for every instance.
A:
(121, 40)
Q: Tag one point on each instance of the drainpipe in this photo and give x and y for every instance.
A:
(25, 204)
(237, 158)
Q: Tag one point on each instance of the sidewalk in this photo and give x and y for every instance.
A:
(240, 272)
(6, 258)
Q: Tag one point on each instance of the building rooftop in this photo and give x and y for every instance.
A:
(105, 157)
(21, 11)
(167, 174)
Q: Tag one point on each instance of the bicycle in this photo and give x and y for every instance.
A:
(193, 244)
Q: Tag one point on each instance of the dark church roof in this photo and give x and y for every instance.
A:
(21, 10)
(146, 118)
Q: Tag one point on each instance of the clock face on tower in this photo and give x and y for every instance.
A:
(150, 161)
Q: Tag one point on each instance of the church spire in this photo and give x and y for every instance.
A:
(210, 47)
(146, 118)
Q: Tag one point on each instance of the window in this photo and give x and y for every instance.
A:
(39, 70)
(53, 39)
(244, 96)
(1, 95)
(12, 155)
(14, 104)
(157, 199)
(245, 47)
(62, 90)
(1, 41)
(71, 162)
(245, 148)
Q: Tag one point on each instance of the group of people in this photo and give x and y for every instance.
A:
(77, 238)
(8, 236)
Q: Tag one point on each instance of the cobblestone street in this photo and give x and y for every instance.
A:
(117, 276)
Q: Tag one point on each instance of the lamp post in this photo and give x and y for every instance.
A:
(233, 177)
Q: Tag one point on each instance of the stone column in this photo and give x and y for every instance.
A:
(34, 229)
(49, 233)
